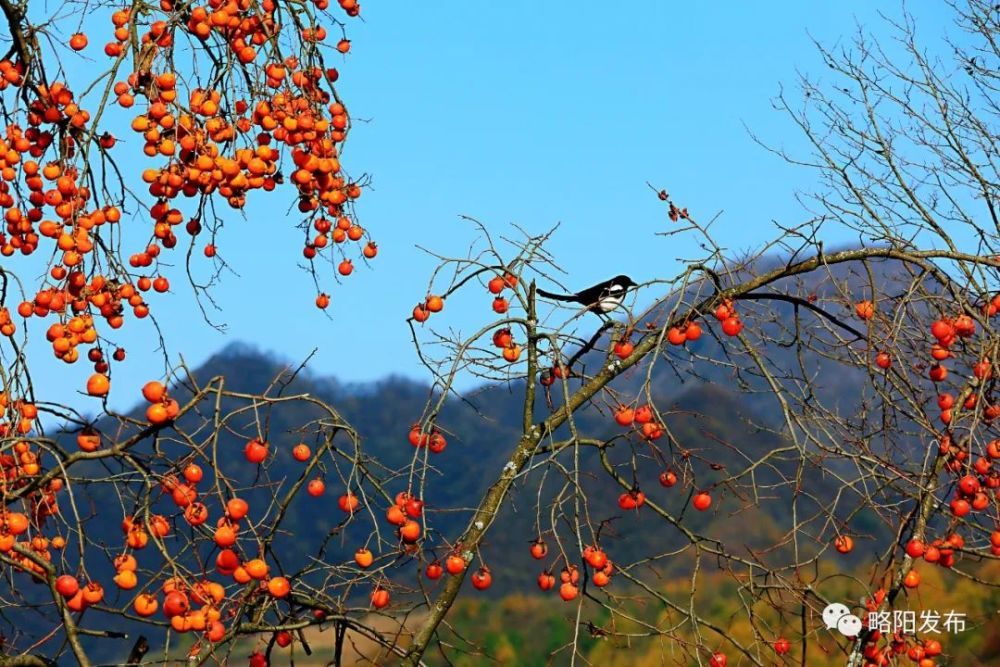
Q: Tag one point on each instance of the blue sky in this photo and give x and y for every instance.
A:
(527, 112)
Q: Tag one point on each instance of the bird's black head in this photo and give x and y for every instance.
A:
(624, 281)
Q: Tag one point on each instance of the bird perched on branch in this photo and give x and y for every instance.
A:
(601, 298)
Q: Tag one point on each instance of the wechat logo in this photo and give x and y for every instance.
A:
(838, 616)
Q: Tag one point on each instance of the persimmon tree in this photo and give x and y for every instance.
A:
(236, 97)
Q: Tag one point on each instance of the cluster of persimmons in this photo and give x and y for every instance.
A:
(257, 110)
(210, 141)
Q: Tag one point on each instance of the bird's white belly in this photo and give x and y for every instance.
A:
(609, 303)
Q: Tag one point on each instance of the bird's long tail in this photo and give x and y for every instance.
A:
(557, 297)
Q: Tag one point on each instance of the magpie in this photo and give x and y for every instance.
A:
(601, 298)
